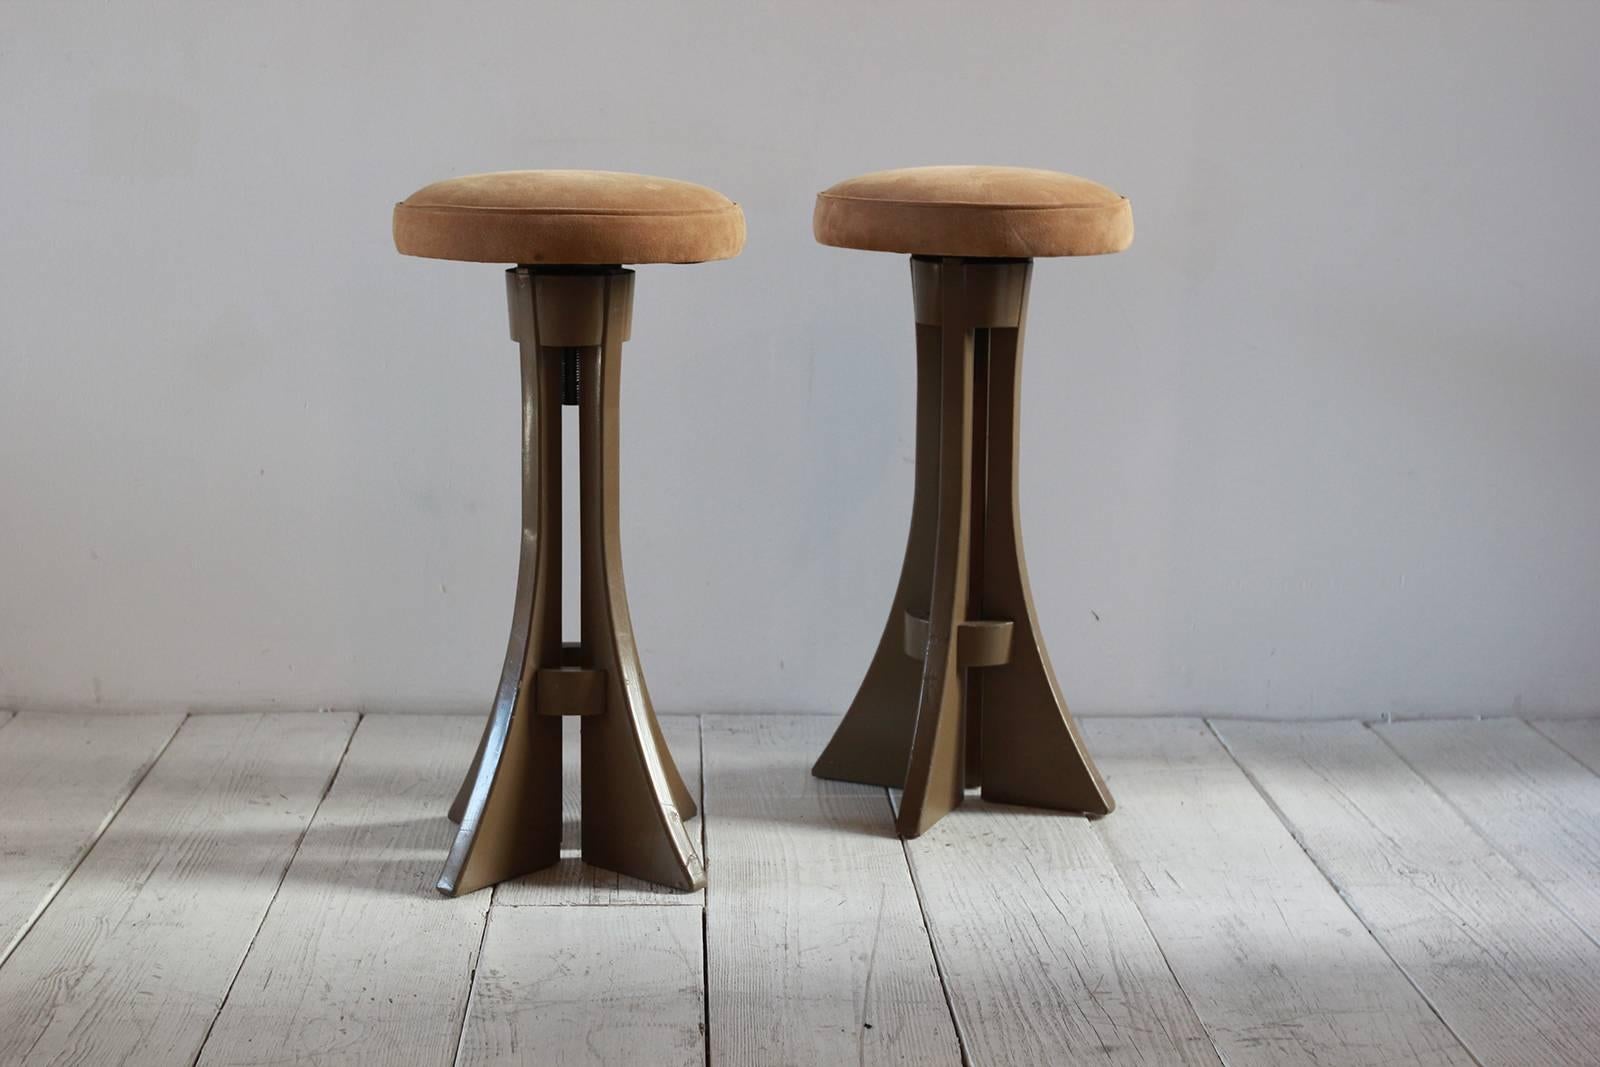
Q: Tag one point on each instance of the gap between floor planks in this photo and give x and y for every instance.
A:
(1278, 968)
(53, 813)
(131, 961)
(1503, 965)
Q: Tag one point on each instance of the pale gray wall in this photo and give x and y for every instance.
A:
(1323, 443)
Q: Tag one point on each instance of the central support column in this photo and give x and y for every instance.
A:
(570, 323)
(961, 692)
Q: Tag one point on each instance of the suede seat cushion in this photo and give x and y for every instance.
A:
(1001, 212)
(568, 216)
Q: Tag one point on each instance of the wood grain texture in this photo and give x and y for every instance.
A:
(589, 985)
(1534, 802)
(360, 961)
(132, 960)
(816, 949)
(572, 881)
(1278, 968)
(1043, 952)
(1514, 978)
(1579, 738)
(62, 778)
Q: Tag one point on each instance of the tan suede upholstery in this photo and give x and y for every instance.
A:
(1003, 212)
(568, 216)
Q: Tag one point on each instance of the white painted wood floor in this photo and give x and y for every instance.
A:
(257, 889)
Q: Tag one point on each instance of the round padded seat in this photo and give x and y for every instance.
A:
(1000, 212)
(568, 217)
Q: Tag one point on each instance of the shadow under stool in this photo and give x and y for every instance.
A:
(961, 692)
(571, 306)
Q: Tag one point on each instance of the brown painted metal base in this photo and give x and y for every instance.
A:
(960, 692)
(570, 323)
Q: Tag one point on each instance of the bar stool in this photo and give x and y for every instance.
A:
(960, 692)
(571, 306)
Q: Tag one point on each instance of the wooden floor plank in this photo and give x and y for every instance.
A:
(1534, 802)
(1044, 954)
(1516, 979)
(360, 961)
(62, 778)
(589, 985)
(134, 956)
(1279, 969)
(816, 949)
(571, 881)
(1579, 738)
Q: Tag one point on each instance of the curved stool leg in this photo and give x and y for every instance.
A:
(934, 779)
(634, 800)
(873, 742)
(509, 807)
(1031, 750)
